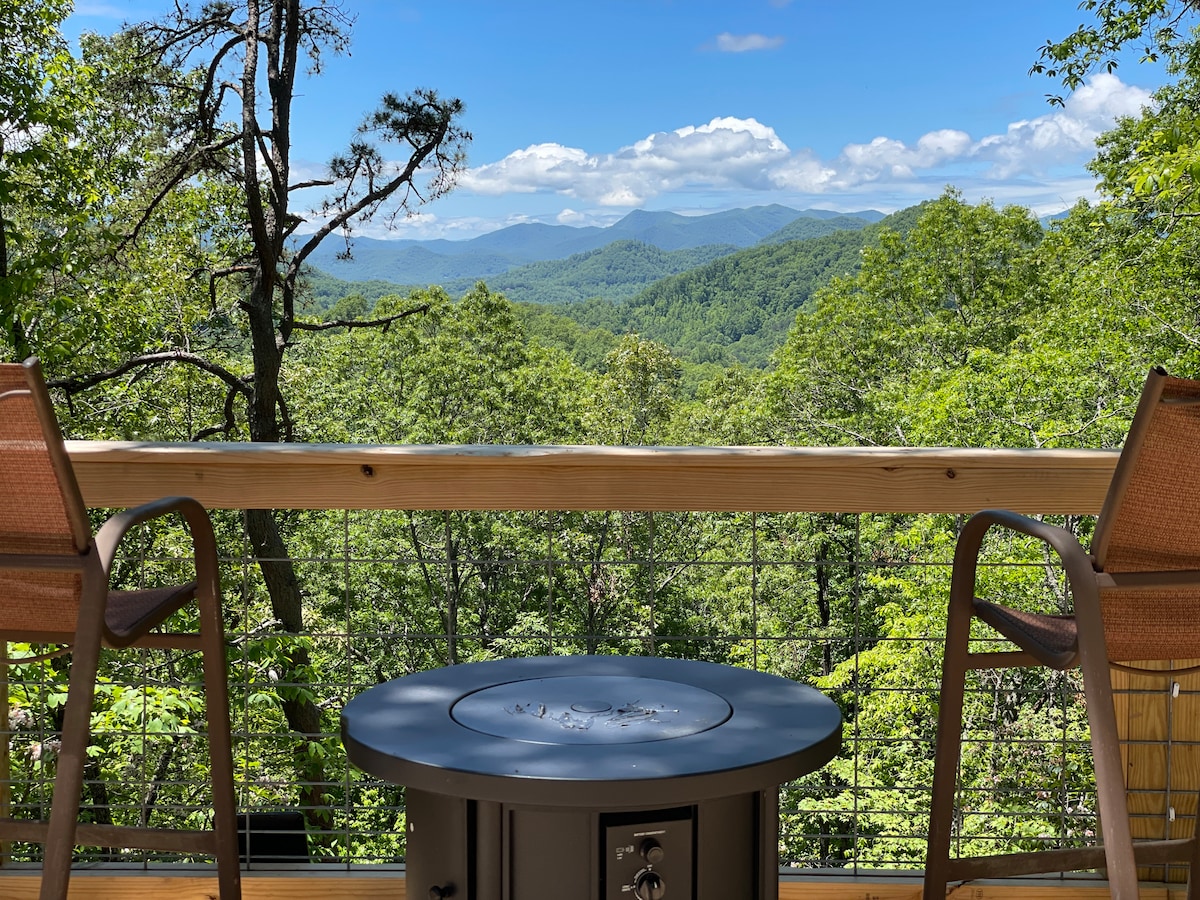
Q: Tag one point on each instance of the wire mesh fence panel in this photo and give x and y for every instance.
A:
(852, 604)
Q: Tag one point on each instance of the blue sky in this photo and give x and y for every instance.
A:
(584, 111)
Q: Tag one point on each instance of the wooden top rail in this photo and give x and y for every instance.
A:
(748, 479)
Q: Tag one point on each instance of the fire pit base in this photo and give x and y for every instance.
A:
(722, 849)
(592, 777)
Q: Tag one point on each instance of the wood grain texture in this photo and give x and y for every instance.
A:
(739, 479)
(1160, 747)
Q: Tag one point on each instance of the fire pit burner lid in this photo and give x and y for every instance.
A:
(591, 709)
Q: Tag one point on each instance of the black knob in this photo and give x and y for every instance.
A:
(649, 886)
(441, 892)
(652, 851)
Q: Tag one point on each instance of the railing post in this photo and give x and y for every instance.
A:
(5, 761)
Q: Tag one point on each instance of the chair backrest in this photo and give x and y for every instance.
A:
(1150, 523)
(42, 516)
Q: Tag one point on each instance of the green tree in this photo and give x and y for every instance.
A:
(637, 393)
(1157, 28)
(45, 195)
(233, 145)
(974, 329)
(958, 284)
(1152, 160)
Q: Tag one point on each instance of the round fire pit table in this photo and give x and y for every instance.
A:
(592, 777)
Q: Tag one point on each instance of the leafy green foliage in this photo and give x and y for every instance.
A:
(1152, 25)
(1150, 162)
(45, 192)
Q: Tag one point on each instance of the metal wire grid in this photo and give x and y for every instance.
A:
(848, 603)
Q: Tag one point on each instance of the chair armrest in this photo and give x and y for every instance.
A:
(1077, 563)
(204, 547)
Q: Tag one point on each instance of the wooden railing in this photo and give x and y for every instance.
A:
(749, 479)
(745, 479)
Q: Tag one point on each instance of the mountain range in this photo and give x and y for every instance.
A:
(712, 304)
(455, 263)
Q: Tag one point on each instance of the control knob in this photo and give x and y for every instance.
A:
(652, 851)
(649, 886)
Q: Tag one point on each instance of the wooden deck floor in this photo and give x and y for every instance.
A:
(372, 886)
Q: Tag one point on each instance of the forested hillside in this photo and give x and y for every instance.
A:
(724, 306)
(613, 271)
(616, 271)
(421, 263)
(808, 227)
(736, 309)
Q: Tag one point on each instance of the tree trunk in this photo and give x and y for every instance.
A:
(279, 573)
(303, 715)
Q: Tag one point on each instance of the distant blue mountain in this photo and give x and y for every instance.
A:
(438, 261)
(806, 228)
(1049, 220)
(616, 272)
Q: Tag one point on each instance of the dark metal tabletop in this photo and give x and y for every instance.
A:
(602, 731)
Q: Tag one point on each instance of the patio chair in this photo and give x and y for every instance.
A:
(54, 590)
(1136, 600)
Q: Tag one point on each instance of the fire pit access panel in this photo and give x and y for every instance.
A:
(642, 858)
(722, 849)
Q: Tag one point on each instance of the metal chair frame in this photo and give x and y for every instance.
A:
(1062, 642)
(96, 625)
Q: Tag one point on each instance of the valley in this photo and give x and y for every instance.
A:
(716, 290)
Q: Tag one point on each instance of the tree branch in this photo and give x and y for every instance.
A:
(79, 383)
(384, 323)
(208, 110)
(345, 215)
(286, 414)
(226, 427)
(429, 144)
(216, 274)
(181, 173)
(323, 182)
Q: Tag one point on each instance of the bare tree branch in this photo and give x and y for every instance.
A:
(163, 358)
(208, 109)
(384, 323)
(323, 182)
(225, 427)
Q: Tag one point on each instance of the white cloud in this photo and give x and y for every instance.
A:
(727, 152)
(732, 161)
(538, 167)
(890, 158)
(803, 172)
(730, 153)
(1036, 144)
(743, 43)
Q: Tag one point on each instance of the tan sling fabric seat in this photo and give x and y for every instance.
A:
(1136, 599)
(54, 589)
